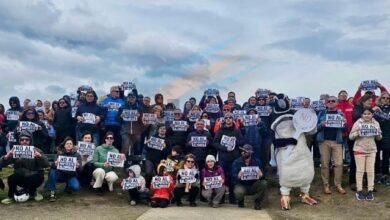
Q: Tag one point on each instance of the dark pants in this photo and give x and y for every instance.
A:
(352, 164)
(136, 195)
(162, 203)
(258, 189)
(180, 191)
(150, 168)
(29, 183)
(227, 168)
(382, 167)
(85, 175)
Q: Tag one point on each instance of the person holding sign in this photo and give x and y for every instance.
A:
(87, 167)
(28, 172)
(177, 131)
(39, 132)
(331, 124)
(371, 92)
(365, 132)
(214, 113)
(248, 177)
(64, 169)
(226, 142)
(253, 134)
(13, 113)
(161, 187)
(135, 185)
(103, 169)
(187, 180)
(213, 182)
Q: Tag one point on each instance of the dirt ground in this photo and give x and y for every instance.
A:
(86, 204)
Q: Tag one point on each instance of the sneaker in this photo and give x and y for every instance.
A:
(241, 204)
(133, 203)
(52, 197)
(38, 196)
(7, 201)
(360, 196)
(179, 203)
(378, 179)
(257, 204)
(385, 181)
(370, 196)
(193, 204)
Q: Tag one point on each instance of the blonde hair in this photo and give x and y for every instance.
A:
(379, 99)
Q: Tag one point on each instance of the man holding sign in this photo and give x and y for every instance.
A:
(248, 177)
(28, 173)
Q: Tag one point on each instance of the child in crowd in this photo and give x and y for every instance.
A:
(172, 162)
(161, 187)
(140, 192)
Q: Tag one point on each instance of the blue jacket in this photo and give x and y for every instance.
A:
(253, 134)
(236, 168)
(112, 113)
(320, 128)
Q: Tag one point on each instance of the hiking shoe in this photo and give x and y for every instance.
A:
(241, 204)
(38, 196)
(257, 204)
(7, 201)
(52, 197)
(370, 196)
(360, 196)
(133, 203)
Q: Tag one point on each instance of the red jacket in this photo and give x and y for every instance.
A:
(358, 95)
(162, 193)
(347, 109)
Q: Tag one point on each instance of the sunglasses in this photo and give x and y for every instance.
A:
(190, 161)
(332, 101)
(388, 98)
(228, 117)
(110, 138)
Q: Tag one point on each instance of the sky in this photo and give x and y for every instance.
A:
(181, 48)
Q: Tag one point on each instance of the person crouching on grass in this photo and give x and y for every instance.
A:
(364, 151)
(140, 192)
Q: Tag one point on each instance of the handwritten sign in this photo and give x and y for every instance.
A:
(198, 141)
(114, 159)
(156, 143)
(214, 182)
(228, 142)
(84, 148)
(187, 175)
(89, 118)
(239, 114)
(368, 130)
(149, 119)
(250, 173)
(263, 110)
(334, 121)
(130, 183)
(250, 120)
(160, 182)
(12, 115)
(179, 125)
(28, 126)
(129, 115)
(66, 163)
(23, 151)
(369, 84)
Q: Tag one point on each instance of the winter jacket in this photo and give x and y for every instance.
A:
(155, 155)
(199, 152)
(321, 129)
(69, 154)
(39, 136)
(141, 180)
(100, 156)
(112, 112)
(131, 127)
(223, 153)
(236, 168)
(162, 193)
(347, 109)
(215, 171)
(11, 124)
(177, 137)
(383, 117)
(253, 134)
(364, 144)
(89, 107)
(63, 122)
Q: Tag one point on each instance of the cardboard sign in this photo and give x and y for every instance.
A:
(28, 126)
(211, 92)
(169, 115)
(228, 142)
(212, 108)
(368, 130)
(89, 118)
(187, 175)
(334, 121)
(74, 110)
(194, 115)
(66, 163)
(179, 125)
(250, 173)
(23, 151)
(198, 141)
(85, 149)
(130, 183)
(214, 182)
(250, 120)
(263, 111)
(262, 93)
(318, 105)
(369, 85)
(114, 159)
(239, 114)
(156, 143)
(129, 115)
(150, 119)
(11, 137)
(12, 115)
(160, 182)
(114, 106)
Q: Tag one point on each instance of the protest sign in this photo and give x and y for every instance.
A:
(250, 120)
(263, 110)
(113, 106)
(187, 175)
(11, 137)
(89, 118)
(228, 142)
(318, 105)
(238, 114)
(214, 182)
(130, 183)
(84, 148)
(334, 121)
(128, 87)
(114, 159)
(160, 182)
(262, 93)
(198, 141)
(149, 119)
(212, 108)
(129, 115)
(250, 173)
(12, 115)
(368, 130)
(156, 143)
(369, 85)
(169, 115)
(211, 92)
(179, 125)
(194, 115)
(66, 163)
(23, 151)
(297, 103)
(28, 126)
(74, 110)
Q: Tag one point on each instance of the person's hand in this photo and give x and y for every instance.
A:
(240, 174)
(190, 143)
(259, 174)
(77, 165)
(9, 153)
(37, 154)
(39, 127)
(97, 119)
(323, 123)
(80, 119)
(56, 163)
(379, 85)
(376, 108)
(106, 164)
(122, 156)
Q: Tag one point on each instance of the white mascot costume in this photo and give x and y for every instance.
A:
(293, 157)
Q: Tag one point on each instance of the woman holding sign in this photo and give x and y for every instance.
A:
(106, 156)
(64, 169)
(187, 181)
(213, 179)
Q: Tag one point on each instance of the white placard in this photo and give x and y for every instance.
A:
(113, 106)
(239, 114)
(179, 125)
(228, 142)
(206, 122)
(169, 115)
(129, 115)
(194, 115)
(212, 108)
(368, 130)
(156, 143)
(89, 118)
(187, 175)
(250, 173)
(28, 126)
(262, 93)
(211, 92)
(214, 182)
(198, 141)
(66, 163)
(297, 103)
(114, 159)
(170, 166)
(23, 151)
(150, 119)
(369, 84)
(250, 120)
(130, 183)
(263, 110)
(334, 121)
(12, 115)
(74, 110)
(11, 137)
(160, 182)
(318, 105)
(85, 149)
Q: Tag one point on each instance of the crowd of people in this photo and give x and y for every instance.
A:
(206, 149)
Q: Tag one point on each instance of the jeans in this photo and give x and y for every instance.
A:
(227, 168)
(57, 176)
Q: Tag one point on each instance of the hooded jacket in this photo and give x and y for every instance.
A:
(63, 122)
(90, 107)
(383, 118)
(136, 169)
(39, 136)
(223, 153)
(13, 123)
(364, 144)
